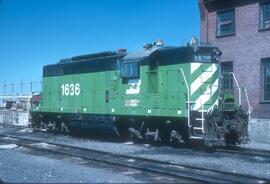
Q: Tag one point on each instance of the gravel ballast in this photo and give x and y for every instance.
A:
(255, 166)
(20, 167)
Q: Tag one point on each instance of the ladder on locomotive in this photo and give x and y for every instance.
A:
(198, 120)
(198, 123)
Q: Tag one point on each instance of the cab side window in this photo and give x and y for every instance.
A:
(130, 69)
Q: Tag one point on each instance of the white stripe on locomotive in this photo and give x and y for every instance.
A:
(196, 84)
(210, 91)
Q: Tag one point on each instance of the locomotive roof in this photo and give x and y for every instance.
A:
(140, 54)
(88, 57)
(184, 52)
(106, 61)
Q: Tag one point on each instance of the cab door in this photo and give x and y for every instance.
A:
(153, 85)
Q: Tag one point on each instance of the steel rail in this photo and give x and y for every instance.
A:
(178, 171)
(245, 151)
(232, 149)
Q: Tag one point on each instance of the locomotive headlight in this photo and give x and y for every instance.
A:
(217, 52)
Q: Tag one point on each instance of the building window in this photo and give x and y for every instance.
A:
(265, 80)
(227, 78)
(225, 22)
(265, 16)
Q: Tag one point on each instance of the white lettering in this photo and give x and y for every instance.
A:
(132, 103)
(70, 89)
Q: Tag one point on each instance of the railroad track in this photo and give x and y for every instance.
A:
(249, 152)
(245, 151)
(232, 149)
(178, 172)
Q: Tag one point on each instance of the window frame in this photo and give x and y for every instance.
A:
(264, 61)
(125, 75)
(233, 22)
(230, 80)
(261, 17)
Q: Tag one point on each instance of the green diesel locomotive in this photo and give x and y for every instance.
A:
(160, 93)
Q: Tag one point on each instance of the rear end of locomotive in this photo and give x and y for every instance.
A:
(215, 114)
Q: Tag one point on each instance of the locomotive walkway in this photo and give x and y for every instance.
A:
(176, 172)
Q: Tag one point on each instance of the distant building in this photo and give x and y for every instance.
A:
(241, 29)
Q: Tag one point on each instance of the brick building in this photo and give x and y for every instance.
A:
(241, 29)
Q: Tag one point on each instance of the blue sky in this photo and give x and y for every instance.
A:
(34, 33)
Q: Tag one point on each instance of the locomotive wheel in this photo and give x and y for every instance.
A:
(43, 126)
(54, 128)
(64, 128)
(152, 135)
(165, 133)
(51, 127)
(231, 139)
(175, 138)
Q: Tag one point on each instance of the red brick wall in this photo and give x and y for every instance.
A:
(245, 49)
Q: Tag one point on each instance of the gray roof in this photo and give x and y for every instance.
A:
(140, 54)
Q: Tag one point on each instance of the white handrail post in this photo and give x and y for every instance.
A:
(248, 103)
(239, 89)
(240, 94)
(203, 119)
(188, 94)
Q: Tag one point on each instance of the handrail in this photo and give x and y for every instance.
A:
(203, 119)
(249, 107)
(240, 94)
(188, 94)
(239, 89)
(237, 84)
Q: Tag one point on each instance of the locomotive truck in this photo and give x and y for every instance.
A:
(160, 93)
